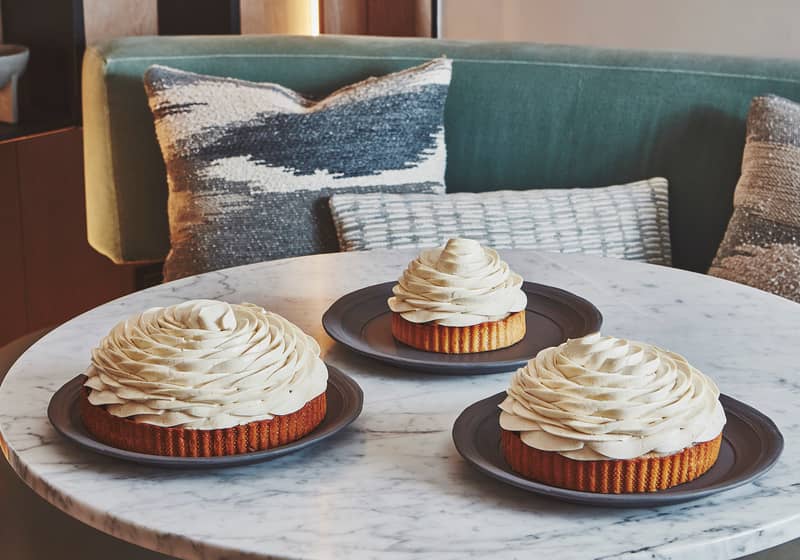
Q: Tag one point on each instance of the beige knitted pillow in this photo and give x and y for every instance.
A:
(761, 247)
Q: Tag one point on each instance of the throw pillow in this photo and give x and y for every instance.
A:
(250, 166)
(626, 221)
(761, 247)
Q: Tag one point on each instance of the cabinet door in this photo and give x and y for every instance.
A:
(12, 271)
(64, 276)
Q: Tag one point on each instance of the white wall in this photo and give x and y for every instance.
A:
(746, 27)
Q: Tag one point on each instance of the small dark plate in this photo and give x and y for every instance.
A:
(751, 444)
(361, 320)
(344, 401)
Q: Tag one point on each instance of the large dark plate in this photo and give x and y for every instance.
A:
(344, 401)
(751, 444)
(361, 320)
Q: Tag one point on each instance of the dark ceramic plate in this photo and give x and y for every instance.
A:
(751, 444)
(361, 320)
(344, 399)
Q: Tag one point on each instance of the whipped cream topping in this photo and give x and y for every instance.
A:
(205, 364)
(458, 285)
(599, 397)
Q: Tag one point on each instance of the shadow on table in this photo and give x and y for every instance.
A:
(338, 355)
(509, 497)
(32, 529)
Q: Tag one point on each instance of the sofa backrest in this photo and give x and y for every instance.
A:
(518, 116)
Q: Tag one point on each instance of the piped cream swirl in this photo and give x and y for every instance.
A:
(600, 397)
(458, 285)
(205, 364)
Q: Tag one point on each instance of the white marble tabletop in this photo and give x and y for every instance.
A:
(393, 485)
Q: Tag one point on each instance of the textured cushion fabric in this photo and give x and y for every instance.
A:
(250, 166)
(624, 221)
(517, 115)
(761, 247)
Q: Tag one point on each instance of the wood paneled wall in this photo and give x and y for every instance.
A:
(400, 18)
(107, 19)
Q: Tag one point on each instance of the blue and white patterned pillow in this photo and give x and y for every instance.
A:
(624, 221)
(250, 166)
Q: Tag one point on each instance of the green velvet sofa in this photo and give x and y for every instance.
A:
(518, 116)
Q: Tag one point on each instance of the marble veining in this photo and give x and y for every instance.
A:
(393, 486)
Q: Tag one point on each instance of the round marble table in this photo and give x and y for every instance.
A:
(393, 485)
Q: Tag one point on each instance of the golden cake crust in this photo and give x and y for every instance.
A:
(483, 337)
(644, 474)
(183, 442)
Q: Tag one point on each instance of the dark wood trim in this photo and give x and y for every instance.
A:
(435, 15)
(199, 17)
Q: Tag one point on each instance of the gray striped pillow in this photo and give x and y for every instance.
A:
(624, 221)
(250, 166)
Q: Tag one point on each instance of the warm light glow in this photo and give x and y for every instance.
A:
(313, 17)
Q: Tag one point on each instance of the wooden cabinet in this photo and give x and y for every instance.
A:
(49, 271)
(12, 266)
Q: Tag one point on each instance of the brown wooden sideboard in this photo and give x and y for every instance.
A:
(49, 273)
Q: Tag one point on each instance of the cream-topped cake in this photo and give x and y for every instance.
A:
(604, 414)
(204, 377)
(458, 298)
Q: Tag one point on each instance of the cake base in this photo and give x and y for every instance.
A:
(483, 337)
(645, 474)
(126, 434)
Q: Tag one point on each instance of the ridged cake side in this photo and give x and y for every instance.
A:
(182, 442)
(483, 337)
(645, 474)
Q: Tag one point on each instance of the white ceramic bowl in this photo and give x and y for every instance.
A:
(13, 59)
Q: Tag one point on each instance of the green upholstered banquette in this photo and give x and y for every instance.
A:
(518, 116)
